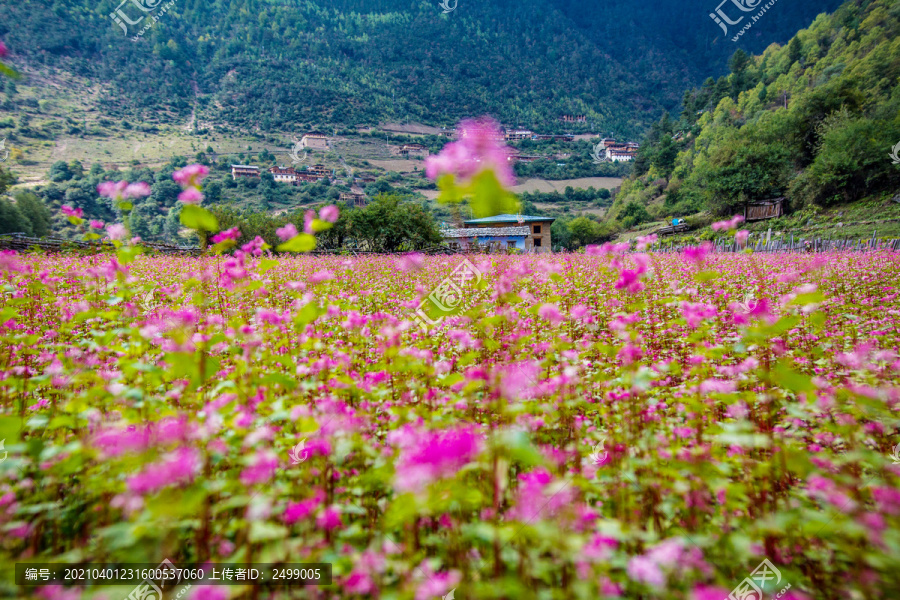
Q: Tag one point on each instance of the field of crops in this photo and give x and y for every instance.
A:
(598, 425)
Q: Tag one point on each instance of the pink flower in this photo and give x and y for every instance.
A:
(116, 231)
(742, 236)
(287, 232)
(229, 234)
(329, 519)
(191, 176)
(3, 50)
(437, 585)
(644, 570)
(703, 592)
(296, 511)
(643, 242)
(434, 455)
(728, 225)
(480, 148)
(410, 262)
(177, 468)
(191, 195)
(329, 213)
(308, 219)
(261, 470)
(550, 312)
(96, 224)
(697, 255)
(209, 592)
(137, 190)
(71, 212)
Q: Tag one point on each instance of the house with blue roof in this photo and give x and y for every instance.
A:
(523, 232)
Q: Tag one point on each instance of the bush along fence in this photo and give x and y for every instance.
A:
(794, 244)
(22, 242)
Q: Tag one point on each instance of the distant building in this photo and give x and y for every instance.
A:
(356, 199)
(524, 158)
(562, 137)
(495, 135)
(537, 237)
(487, 239)
(407, 150)
(284, 175)
(244, 171)
(321, 171)
(514, 135)
(573, 119)
(314, 141)
(619, 153)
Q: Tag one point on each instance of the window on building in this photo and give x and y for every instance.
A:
(510, 244)
(537, 228)
(537, 242)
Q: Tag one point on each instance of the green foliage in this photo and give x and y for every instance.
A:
(389, 223)
(34, 212)
(813, 120)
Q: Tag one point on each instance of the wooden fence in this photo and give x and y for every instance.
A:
(21, 242)
(798, 244)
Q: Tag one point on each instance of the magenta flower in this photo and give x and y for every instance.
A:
(550, 312)
(229, 234)
(434, 455)
(118, 190)
(116, 231)
(329, 213)
(644, 570)
(191, 176)
(742, 236)
(728, 225)
(480, 148)
(191, 195)
(3, 51)
(697, 255)
(71, 212)
(177, 468)
(329, 519)
(261, 470)
(287, 232)
(209, 592)
(96, 224)
(645, 241)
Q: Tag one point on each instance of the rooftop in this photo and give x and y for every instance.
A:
(509, 219)
(486, 232)
(244, 167)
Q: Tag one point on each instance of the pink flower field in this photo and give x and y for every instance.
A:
(598, 425)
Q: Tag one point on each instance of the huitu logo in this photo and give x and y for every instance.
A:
(4, 153)
(749, 302)
(895, 456)
(721, 18)
(5, 453)
(120, 17)
(895, 151)
(599, 153)
(445, 4)
(298, 453)
(295, 153)
(450, 595)
(596, 457)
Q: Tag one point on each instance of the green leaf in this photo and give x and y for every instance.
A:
(318, 225)
(489, 198)
(9, 71)
(195, 217)
(300, 243)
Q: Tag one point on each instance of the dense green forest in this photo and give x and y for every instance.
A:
(266, 65)
(813, 121)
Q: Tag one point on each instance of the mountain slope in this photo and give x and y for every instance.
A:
(297, 63)
(814, 121)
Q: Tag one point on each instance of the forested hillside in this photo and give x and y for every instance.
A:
(814, 120)
(277, 65)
